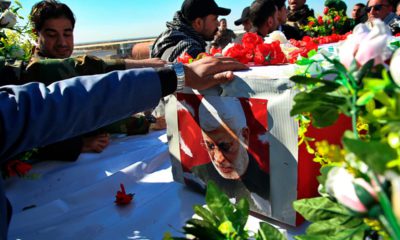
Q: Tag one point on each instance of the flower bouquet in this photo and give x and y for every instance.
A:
(16, 42)
(332, 22)
(359, 182)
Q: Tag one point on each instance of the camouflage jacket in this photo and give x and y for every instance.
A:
(48, 71)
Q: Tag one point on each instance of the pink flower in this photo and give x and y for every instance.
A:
(366, 44)
(340, 184)
(394, 67)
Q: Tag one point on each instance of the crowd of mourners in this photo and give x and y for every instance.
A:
(194, 29)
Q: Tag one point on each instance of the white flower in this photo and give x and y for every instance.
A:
(278, 36)
(8, 19)
(366, 44)
(395, 67)
(340, 184)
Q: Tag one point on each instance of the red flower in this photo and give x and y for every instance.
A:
(240, 53)
(326, 10)
(18, 168)
(214, 51)
(251, 40)
(336, 19)
(122, 198)
(311, 24)
(397, 35)
(329, 22)
(320, 20)
(185, 58)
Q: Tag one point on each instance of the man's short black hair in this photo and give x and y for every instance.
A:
(280, 4)
(49, 9)
(260, 11)
(361, 5)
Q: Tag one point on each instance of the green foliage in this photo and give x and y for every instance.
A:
(17, 42)
(221, 220)
(333, 22)
(375, 154)
(331, 220)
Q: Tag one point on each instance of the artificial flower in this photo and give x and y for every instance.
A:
(278, 36)
(8, 19)
(17, 168)
(341, 185)
(396, 196)
(394, 67)
(366, 44)
(122, 198)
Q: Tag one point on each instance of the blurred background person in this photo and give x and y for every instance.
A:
(224, 36)
(384, 10)
(264, 17)
(289, 31)
(359, 13)
(298, 13)
(244, 20)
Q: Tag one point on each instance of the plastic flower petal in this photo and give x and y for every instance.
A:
(340, 184)
(394, 67)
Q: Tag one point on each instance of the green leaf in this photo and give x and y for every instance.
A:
(304, 61)
(206, 215)
(269, 232)
(202, 230)
(218, 202)
(339, 228)
(241, 214)
(375, 84)
(365, 69)
(320, 208)
(375, 154)
(310, 80)
(365, 98)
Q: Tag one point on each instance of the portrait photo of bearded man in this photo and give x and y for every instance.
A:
(225, 137)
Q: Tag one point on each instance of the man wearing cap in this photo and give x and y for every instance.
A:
(383, 9)
(196, 23)
(245, 20)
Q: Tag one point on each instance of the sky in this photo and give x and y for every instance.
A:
(104, 20)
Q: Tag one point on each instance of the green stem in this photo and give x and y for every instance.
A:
(391, 221)
(354, 112)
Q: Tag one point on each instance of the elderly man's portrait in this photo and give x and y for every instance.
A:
(224, 139)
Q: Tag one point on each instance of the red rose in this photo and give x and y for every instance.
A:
(329, 22)
(326, 10)
(18, 168)
(320, 20)
(336, 19)
(251, 40)
(311, 24)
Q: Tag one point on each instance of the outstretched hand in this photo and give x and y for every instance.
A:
(211, 71)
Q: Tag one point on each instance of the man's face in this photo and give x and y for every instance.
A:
(222, 24)
(247, 25)
(56, 38)
(378, 9)
(356, 13)
(227, 154)
(296, 4)
(398, 10)
(209, 27)
(282, 15)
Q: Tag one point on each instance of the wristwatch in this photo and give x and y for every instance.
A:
(180, 75)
